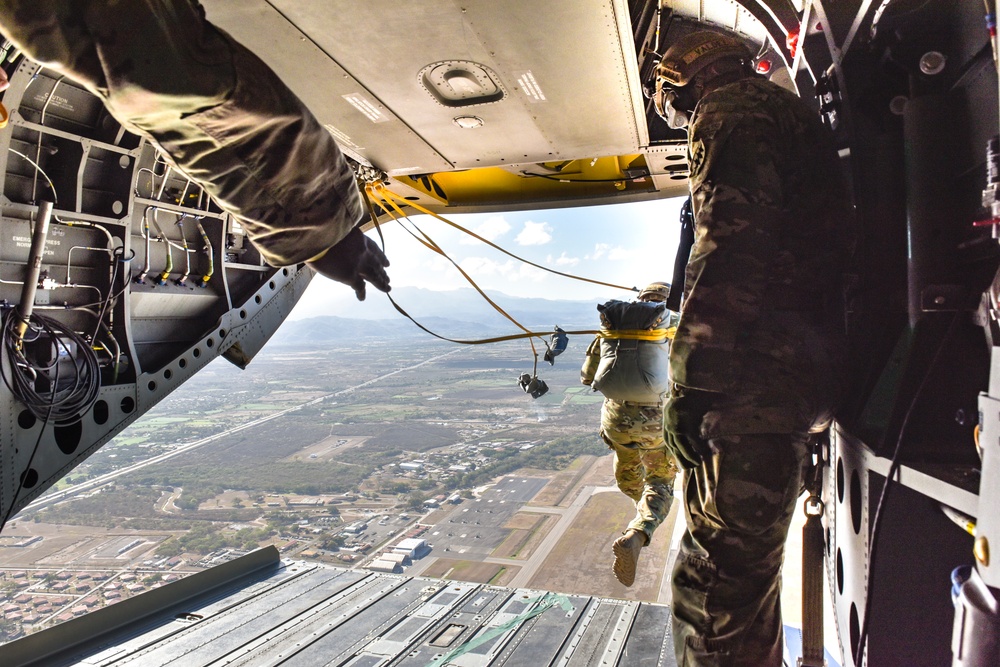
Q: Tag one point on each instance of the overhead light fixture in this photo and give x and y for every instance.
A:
(468, 122)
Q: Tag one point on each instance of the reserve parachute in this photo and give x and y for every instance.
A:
(634, 348)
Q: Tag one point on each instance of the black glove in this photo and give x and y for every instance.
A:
(682, 417)
(353, 261)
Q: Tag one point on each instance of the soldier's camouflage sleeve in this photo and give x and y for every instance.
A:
(217, 111)
(737, 199)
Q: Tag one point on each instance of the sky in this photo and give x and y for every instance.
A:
(629, 244)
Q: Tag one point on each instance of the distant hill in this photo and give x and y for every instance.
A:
(459, 313)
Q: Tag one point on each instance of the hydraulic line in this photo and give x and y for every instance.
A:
(69, 261)
(187, 253)
(169, 268)
(141, 278)
(163, 184)
(207, 248)
(39, 170)
(115, 352)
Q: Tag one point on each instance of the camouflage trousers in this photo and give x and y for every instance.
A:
(726, 583)
(644, 469)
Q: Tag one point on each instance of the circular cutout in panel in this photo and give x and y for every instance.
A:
(101, 412)
(128, 404)
(68, 436)
(167, 374)
(151, 385)
(182, 363)
(840, 571)
(841, 482)
(25, 419)
(271, 284)
(257, 299)
(855, 630)
(196, 352)
(29, 478)
(243, 314)
(284, 272)
(210, 343)
(856, 502)
(222, 333)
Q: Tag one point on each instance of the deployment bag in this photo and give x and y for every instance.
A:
(635, 348)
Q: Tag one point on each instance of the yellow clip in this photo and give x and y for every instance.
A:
(4, 116)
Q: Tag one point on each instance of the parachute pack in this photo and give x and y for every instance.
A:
(634, 351)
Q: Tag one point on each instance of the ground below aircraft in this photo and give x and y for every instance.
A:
(483, 105)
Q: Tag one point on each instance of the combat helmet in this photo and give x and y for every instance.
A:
(658, 289)
(694, 52)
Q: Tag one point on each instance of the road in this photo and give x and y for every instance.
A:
(103, 480)
(567, 516)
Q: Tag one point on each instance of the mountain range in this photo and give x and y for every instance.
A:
(461, 313)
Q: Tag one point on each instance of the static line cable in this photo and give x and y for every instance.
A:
(623, 179)
(894, 466)
(383, 193)
(485, 341)
(434, 246)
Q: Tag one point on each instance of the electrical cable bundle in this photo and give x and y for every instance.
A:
(67, 398)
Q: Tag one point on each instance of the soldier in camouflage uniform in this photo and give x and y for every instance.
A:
(219, 114)
(644, 469)
(756, 360)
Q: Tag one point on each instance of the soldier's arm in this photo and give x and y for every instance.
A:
(217, 111)
(738, 202)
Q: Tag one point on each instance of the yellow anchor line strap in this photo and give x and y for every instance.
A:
(654, 335)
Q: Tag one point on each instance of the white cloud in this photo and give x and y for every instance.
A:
(534, 233)
(599, 251)
(620, 253)
(491, 229)
(562, 260)
(510, 270)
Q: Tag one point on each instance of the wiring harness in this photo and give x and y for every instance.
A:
(54, 371)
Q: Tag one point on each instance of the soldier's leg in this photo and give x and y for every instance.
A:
(628, 470)
(658, 489)
(726, 586)
(616, 431)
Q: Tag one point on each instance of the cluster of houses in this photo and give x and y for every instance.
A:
(457, 459)
(38, 598)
